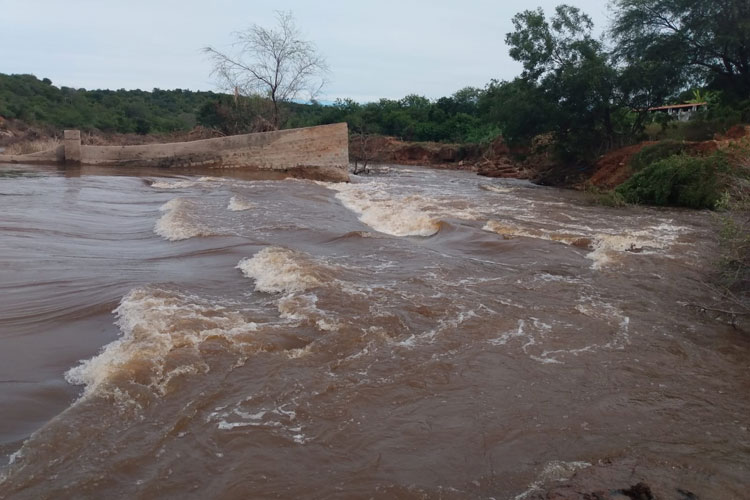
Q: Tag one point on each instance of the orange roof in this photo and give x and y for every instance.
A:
(677, 106)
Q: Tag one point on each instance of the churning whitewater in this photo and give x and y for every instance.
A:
(411, 334)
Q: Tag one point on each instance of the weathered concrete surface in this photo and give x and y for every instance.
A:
(320, 153)
(72, 144)
(56, 155)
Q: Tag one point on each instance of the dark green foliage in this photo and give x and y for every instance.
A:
(570, 81)
(37, 101)
(655, 152)
(519, 108)
(604, 197)
(458, 118)
(680, 180)
(450, 119)
(691, 39)
(585, 98)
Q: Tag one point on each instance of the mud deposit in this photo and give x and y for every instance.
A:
(413, 334)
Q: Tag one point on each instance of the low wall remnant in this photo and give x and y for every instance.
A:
(320, 153)
(72, 144)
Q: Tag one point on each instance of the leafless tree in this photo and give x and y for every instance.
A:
(274, 63)
(362, 154)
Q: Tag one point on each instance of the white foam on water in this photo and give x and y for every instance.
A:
(496, 189)
(443, 325)
(503, 338)
(530, 336)
(299, 308)
(179, 221)
(238, 204)
(512, 230)
(532, 333)
(397, 216)
(557, 471)
(606, 248)
(280, 270)
(653, 239)
(154, 323)
(278, 420)
(14, 456)
(183, 183)
(604, 312)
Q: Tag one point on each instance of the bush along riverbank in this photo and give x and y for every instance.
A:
(712, 175)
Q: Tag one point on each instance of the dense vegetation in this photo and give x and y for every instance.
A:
(681, 180)
(38, 101)
(586, 96)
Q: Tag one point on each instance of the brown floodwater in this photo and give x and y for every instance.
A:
(413, 334)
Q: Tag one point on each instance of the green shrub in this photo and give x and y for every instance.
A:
(655, 152)
(604, 197)
(680, 180)
(734, 235)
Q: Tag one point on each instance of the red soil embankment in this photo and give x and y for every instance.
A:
(613, 168)
(491, 160)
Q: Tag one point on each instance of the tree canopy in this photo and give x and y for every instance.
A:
(587, 93)
(708, 41)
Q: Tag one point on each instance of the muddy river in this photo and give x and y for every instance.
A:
(412, 334)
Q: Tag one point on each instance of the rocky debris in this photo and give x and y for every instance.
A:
(502, 167)
(491, 160)
(624, 479)
(382, 149)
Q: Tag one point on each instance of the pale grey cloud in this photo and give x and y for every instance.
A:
(379, 49)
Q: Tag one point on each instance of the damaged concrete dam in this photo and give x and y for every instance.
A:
(319, 153)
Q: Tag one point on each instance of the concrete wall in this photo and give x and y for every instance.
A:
(56, 155)
(314, 152)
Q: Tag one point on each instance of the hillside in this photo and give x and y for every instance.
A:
(35, 101)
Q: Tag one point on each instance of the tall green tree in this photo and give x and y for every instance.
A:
(573, 77)
(703, 41)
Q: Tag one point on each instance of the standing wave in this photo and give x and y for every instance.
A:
(161, 335)
(280, 270)
(385, 213)
(179, 221)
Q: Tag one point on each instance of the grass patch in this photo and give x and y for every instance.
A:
(655, 152)
(734, 234)
(604, 197)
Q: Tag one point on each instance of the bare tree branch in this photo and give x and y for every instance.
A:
(274, 63)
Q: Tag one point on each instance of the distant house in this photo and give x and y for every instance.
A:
(682, 112)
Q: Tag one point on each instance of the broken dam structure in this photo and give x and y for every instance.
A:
(319, 153)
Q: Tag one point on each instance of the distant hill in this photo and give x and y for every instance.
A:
(27, 98)
(459, 118)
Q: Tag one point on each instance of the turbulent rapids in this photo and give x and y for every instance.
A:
(412, 334)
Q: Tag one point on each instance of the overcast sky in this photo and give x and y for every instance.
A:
(385, 48)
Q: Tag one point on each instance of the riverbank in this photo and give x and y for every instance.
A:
(494, 159)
